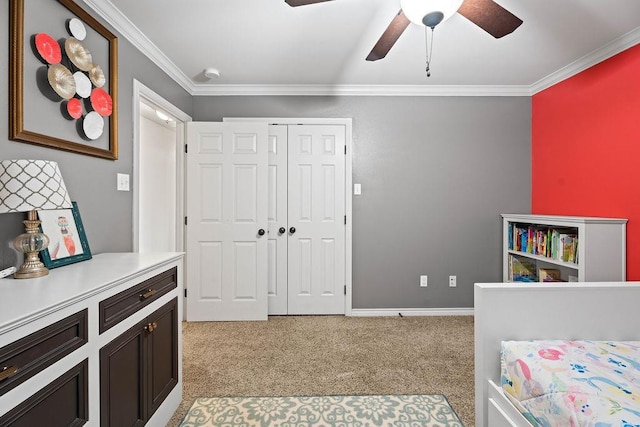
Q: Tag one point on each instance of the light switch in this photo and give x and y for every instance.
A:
(123, 182)
(357, 189)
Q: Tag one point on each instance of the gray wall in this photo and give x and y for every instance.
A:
(436, 173)
(106, 213)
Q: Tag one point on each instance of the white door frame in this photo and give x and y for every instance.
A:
(348, 124)
(142, 92)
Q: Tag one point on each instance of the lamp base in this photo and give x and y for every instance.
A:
(31, 242)
(31, 268)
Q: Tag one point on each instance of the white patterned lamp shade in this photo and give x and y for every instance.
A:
(28, 186)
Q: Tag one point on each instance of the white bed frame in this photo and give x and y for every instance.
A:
(518, 311)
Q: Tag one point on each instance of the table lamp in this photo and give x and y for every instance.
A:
(27, 186)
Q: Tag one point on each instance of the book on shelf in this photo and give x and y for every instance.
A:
(521, 269)
(569, 247)
(532, 239)
(547, 241)
(539, 240)
(520, 238)
(549, 275)
(564, 245)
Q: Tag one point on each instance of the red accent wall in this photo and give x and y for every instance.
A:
(586, 147)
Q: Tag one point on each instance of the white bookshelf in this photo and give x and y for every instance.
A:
(601, 246)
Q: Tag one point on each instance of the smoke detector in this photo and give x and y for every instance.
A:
(211, 73)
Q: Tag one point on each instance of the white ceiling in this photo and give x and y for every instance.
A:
(266, 46)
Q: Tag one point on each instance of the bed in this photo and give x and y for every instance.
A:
(552, 311)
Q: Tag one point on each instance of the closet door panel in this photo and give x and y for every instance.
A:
(227, 209)
(316, 259)
(278, 222)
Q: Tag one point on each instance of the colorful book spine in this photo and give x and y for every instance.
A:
(556, 243)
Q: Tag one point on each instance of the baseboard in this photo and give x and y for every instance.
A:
(380, 312)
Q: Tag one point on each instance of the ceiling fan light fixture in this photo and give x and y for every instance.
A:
(432, 19)
(429, 12)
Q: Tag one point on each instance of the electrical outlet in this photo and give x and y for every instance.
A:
(423, 281)
(452, 281)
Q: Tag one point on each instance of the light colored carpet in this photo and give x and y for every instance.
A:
(309, 411)
(330, 355)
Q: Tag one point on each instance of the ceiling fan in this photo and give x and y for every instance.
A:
(486, 14)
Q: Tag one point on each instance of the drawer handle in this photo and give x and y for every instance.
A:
(8, 372)
(151, 327)
(148, 294)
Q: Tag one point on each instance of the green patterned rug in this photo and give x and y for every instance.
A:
(345, 411)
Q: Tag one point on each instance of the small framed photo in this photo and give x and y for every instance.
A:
(67, 240)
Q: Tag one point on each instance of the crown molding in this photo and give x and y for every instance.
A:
(359, 90)
(618, 45)
(124, 26)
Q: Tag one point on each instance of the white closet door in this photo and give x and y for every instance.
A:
(226, 209)
(277, 213)
(316, 278)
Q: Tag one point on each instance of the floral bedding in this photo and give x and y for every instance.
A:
(574, 383)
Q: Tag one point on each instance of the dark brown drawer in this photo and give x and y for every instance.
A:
(120, 306)
(62, 403)
(24, 358)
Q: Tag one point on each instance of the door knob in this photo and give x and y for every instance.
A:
(292, 230)
(150, 327)
(282, 230)
(261, 232)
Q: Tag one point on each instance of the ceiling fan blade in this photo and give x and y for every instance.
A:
(294, 3)
(389, 37)
(490, 16)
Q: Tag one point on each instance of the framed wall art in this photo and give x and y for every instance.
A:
(63, 78)
(67, 239)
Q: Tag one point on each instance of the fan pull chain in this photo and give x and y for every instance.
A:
(429, 48)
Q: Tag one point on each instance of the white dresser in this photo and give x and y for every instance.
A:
(94, 343)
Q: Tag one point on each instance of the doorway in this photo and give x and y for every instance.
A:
(157, 176)
(157, 221)
(278, 131)
(158, 168)
(306, 219)
(321, 273)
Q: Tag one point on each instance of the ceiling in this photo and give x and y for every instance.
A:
(266, 46)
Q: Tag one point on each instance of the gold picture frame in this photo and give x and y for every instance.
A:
(66, 139)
